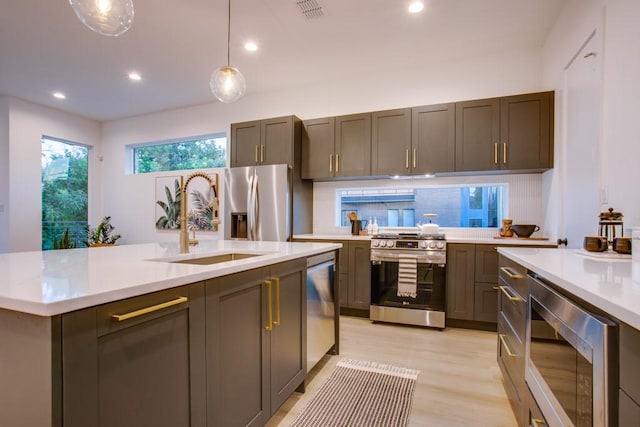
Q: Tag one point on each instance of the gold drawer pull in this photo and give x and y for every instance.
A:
(506, 347)
(406, 158)
(330, 163)
(535, 422)
(269, 304)
(511, 275)
(505, 290)
(121, 317)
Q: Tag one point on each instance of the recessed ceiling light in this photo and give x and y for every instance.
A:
(251, 46)
(135, 76)
(416, 7)
(59, 95)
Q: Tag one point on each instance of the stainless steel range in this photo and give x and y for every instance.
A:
(408, 279)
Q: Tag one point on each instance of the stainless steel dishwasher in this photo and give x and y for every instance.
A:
(321, 310)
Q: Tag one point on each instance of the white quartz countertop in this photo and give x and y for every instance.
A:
(47, 283)
(608, 281)
(450, 239)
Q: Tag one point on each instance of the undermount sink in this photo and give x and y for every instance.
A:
(213, 259)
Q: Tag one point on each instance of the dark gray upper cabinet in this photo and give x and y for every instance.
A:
(409, 141)
(265, 142)
(509, 133)
(433, 140)
(318, 148)
(245, 143)
(335, 147)
(477, 135)
(353, 145)
(144, 370)
(526, 131)
(391, 142)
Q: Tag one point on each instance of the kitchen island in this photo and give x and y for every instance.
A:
(586, 304)
(95, 336)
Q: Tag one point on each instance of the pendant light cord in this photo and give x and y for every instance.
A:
(228, 33)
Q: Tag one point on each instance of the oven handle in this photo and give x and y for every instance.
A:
(511, 297)
(506, 346)
(511, 275)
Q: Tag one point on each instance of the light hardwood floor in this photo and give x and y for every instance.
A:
(459, 382)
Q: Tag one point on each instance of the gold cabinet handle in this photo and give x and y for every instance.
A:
(257, 148)
(262, 154)
(536, 422)
(504, 153)
(406, 158)
(330, 163)
(496, 288)
(511, 275)
(277, 321)
(506, 346)
(136, 313)
(495, 153)
(415, 161)
(337, 163)
(509, 295)
(269, 284)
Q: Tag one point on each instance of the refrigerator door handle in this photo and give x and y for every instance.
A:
(250, 216)
(255, 206)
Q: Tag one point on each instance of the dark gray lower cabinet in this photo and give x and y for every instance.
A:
(136, 362)
(256, 342)
(629, 393)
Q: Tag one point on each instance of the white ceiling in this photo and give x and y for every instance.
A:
(176, 44)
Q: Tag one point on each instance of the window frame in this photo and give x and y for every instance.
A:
(130, 150)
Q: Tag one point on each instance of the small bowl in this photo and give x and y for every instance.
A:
(524, 230)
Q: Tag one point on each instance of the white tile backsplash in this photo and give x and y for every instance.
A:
(523, 199)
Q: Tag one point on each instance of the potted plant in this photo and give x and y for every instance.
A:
(101, 235)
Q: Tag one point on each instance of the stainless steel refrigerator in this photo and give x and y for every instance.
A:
(267, 203)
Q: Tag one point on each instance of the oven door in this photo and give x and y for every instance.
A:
(430, 286)
(571, 357)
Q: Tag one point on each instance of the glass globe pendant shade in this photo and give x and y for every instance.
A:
(227, 84)
(106, 17)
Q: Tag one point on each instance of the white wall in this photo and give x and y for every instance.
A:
(615, 23)
(4, 174)
(621, 153)
(27, 123)
(129, 198)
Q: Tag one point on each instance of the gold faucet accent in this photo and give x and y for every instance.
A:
(215, 221)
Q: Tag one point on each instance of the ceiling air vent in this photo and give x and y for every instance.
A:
(311, 9)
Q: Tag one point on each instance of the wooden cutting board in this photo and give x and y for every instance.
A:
(521, 238)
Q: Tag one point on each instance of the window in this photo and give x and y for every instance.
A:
(456, 206)
(65, 177)
(198, 152)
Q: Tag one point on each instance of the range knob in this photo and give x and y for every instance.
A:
(375, 243)
(440, 245)
(390, 243)
(432, 245)
(423, 244)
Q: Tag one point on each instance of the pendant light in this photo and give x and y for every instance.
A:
(227, 82)
(106, 17)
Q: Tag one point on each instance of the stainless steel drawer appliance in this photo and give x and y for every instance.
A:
(321, 310)
(571, 359)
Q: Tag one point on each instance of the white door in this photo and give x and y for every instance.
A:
(581, 165)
